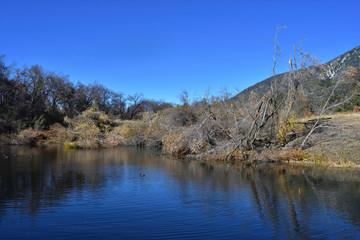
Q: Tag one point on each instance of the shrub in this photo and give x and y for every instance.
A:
(112, 139)
(181, 116)
(183, 141)
(61, 134)
(89, 129)
(26, 136)
(155, 127)
(174, 142)
(133, 132)
(30, 136)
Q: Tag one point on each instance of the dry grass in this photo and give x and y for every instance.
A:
(294, 154)
(232, 156)
(348, 118)
(338, 145)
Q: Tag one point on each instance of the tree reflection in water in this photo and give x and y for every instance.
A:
(283, 201)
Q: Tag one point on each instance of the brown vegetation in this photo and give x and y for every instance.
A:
(266, 127)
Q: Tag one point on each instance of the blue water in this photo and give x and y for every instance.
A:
(50, 193)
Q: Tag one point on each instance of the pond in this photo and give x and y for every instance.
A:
(50, 193)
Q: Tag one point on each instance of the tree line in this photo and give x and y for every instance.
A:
(213, 127)
(36, 97)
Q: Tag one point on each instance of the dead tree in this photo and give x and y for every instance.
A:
(271, 111)
(349, 75)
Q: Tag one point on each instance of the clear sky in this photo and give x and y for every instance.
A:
(161, 47)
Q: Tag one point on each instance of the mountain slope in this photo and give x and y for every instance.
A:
(314, 75)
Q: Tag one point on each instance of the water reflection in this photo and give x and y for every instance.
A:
(186, 198)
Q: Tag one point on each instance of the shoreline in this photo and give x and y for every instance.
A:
(335, 148)
(307, 162)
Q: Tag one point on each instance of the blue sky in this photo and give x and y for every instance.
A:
(161, 47)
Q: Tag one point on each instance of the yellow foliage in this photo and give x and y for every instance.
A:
(89, 113)
(132, 131)
(104, 118)
(87, 130)
(287, 127)
(70, 145)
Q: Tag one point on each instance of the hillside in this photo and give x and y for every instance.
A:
(314, 76)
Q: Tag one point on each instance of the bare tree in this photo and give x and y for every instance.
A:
(347, 76)
(134, 105)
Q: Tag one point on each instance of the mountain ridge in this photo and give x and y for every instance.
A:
(336, 67)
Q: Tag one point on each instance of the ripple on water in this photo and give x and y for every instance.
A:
(100, 195)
